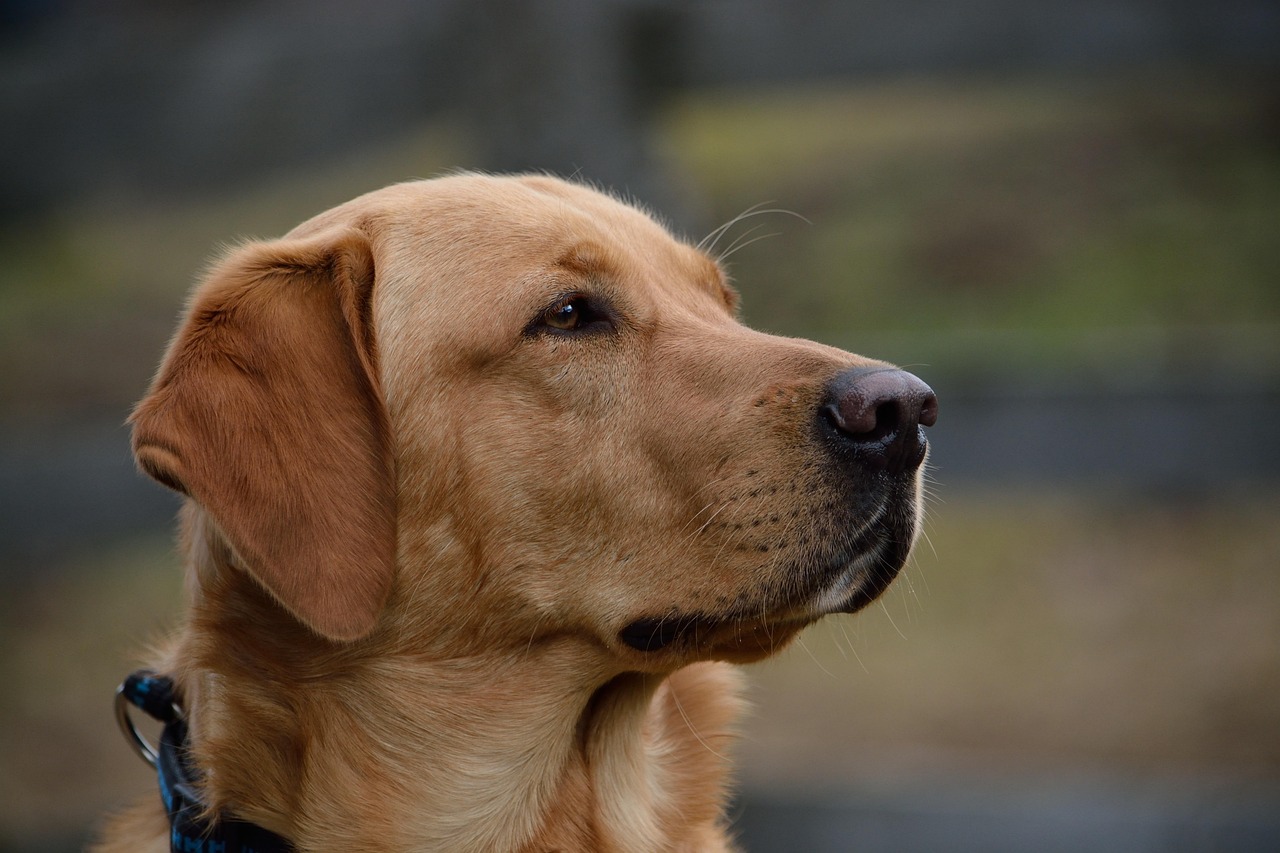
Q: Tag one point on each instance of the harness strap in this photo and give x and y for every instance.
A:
(190, 830)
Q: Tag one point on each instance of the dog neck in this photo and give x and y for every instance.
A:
(383, 746)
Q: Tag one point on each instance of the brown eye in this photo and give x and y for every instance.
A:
(574, 315)
(568, 315)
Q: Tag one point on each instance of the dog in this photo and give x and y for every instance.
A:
(486, 490)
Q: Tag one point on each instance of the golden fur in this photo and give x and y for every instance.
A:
(418, 518)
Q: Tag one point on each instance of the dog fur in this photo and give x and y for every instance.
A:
(423, 507)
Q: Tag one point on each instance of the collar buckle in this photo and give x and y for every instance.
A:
(191, 828)
(155, 696)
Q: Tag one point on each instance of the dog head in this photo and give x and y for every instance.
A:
(483, 410)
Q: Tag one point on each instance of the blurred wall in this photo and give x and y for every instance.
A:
(148, 97)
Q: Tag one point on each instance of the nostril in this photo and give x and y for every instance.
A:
(853, 417)
(880, 412)
(929, 410)
(887, 419)
(865, 423)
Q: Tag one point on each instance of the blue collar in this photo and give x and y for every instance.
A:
(192, 830)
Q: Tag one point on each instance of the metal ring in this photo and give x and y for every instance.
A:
(140, 745)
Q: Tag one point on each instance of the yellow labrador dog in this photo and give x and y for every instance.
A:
(485, 484)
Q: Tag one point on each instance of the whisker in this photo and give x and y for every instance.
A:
(708, 243)
(694, 517)
(690, 536)
(831, 632)
(528, 649)
(675, 697)
(753, 229)
(814, 658)
(739, 246)
(889, 616)
(852, 649)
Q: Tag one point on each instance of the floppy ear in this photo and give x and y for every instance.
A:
(267, 411)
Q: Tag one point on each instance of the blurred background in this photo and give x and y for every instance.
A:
(1065, 216)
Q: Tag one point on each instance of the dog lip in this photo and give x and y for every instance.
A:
(854, 579)
(836, 572)
(848, 577)
(843, 581)
(865, 578)
(650, 634)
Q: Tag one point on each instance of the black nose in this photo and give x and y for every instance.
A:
(880, 413)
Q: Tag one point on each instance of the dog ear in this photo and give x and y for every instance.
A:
(267, 410)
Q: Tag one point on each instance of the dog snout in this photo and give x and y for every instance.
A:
(880, 413)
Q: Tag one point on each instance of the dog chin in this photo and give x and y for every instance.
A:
(861, 580)
(856, 582)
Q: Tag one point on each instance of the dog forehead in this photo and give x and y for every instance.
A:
(514, 205)
(437, 228)
(498, 244)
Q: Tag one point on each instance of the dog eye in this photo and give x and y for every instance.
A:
(566, 316)
(574, 314)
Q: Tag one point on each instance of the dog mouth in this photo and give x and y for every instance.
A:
(843, 582)
(692, 633)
